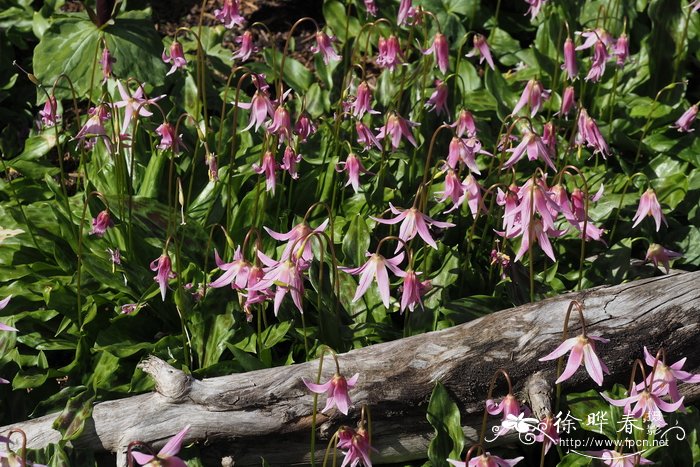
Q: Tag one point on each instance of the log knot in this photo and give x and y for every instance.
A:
(171, 383)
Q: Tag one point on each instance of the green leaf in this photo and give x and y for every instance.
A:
(590, 408)
(356, 239)
(275, 334)
(295, 74)
(334, 12)
(72, 420)
(443, 415)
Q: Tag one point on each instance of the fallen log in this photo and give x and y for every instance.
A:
(267, 413)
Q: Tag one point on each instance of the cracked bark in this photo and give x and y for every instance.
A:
(267, 413)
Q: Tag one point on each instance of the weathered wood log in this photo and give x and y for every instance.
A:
(267, 413)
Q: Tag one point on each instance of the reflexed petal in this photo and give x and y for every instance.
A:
(142, 458)
(593, 364)
(173, 446)
(563, 348)
(318, 388)
(572, 363)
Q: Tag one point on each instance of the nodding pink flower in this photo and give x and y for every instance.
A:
(281, 124)
(487, 459)
(463, 150)
(481, 47)
(464, 124)
(541, 234)
(286, 276)
(621, 49)
(406, 12)
(389, 53)
(594, 36)
(684, 123)
(438, 99)
(101, 223)
(549, 138)
(290, 160)
(396, 127)
(212, 166)
(325, 48)
(567, 102)
(589, 133)
(365, 137)
(547, 433)
(371, 7)
(570, 59)
(235, 273)
(260, 108)
(164, 273)
(247, 48)
(649, 206)
(535, 148)
(362, 103)
(512, 217)
(454, 190)
(168, 138)
(533, 95)
(658, 254)
(94, 126)
(472, 193)
(353, 166)
(252, 295)
(304, 127)
(618, 459)
(299, 237)
(582, 351)
(130, 308)
(48, 113)
(413, 222)
(3, 303)
(269, 167)
(648, 405)
(177, 57)
(357, 444)
(115, 257)
(165, 456)
(375, 267)
(666, 377)
(600, 57)
(577, 216)
(535, 7)
(509, 407)
(133, 105)
(230, 15)
(441, 50)
(106, 63)
(412, 290)
(336, 389)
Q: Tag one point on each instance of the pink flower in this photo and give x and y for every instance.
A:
(235, 272)
(570, 59)
(48, 113)
(389, 53)
(246, 48)
(547, 433)
(106, 62)
(481, 47)
(371, 7)
(535, 148)
(286, 276)
(486, 459)
(594, 36)
(94, 126)
(353, 166)
(324, 47)
(115, 257)
(666, 377)
(658, 254)
(269, 167)
(166, 456)
(413, 222)
(3, 303)
(509, 407)
(164, 272)
(337, 390)
(133, 105)
(582, 350)
(600, 57)
(168, 138)
(567, 102)
(357, 444)
(299, 237)
(533, 95)
(304, 127)
(177, 57)
(454, 190)
(290, 160)
(463, 150)
(589, 133)
(647, 405)
(131, 308)
(362, 103)
(683, 124)
(260, 108)
(441, 50)
(230, 15)
(535, 7)
(254, 295)
(101, 223)
(464, 124)
(621, 49)
(649, 206)
(375, 267)
(438, 99)
(365, 137)
(396, 127)
(281, 124)
(412, 290)
(577, 216)
(406, 12)
(617, 459)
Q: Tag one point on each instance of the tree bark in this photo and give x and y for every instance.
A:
(267, 413)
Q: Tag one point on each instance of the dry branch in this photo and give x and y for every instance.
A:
(267, 413)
